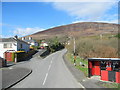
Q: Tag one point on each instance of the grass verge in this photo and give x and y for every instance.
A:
(109, 84)
(84, 68)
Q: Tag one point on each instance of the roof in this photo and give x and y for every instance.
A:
(26, 40)
(104, 59)
(11, 40)
(7, 40)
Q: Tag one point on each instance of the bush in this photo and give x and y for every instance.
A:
(55, 45)
(35, 47)
(89, 47)
(118, 35)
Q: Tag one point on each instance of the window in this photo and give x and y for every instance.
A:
(8, 45)
(103, 65)
(116, 65)
(21, 46)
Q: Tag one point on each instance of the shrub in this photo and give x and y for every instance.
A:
(88, 47)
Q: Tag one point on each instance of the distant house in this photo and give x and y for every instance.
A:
(30, 41)
(12, 44)
(44, 44)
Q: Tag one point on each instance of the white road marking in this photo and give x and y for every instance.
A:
(49, 67)
(82, 86)
(47, 73)
(45, 78)
(10, 68)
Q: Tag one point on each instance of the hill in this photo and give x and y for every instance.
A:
(77, 29)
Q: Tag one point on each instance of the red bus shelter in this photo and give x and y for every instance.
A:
(107, 68)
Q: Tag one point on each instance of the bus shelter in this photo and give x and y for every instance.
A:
(107, 68)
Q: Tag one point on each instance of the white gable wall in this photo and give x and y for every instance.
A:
(2, 49)
(15, 46)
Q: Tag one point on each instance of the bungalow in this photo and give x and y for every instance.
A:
(12, 44)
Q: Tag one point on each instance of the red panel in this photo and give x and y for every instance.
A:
(109, 69)
(117, 77)
(90, 64)
(93, 71)
(8, 56)
(97, 70)
(104, 75)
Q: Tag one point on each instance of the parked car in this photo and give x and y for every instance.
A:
(41, 47)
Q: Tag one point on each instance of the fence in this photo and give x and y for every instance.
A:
(18, 56)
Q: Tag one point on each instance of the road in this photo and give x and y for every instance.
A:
(50, 72)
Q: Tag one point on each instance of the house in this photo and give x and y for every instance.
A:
(12, 44)
(44, 44)
(30, 41)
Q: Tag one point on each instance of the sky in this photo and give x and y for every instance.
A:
(25, 18)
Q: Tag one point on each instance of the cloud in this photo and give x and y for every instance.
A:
(59, 0)
(106, 19)
(78, 0)
(26, 31)
(5, 36)
(84, 10)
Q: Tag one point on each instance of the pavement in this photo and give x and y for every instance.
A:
(13, 75)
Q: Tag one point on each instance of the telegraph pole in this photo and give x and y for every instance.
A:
(74, 44)
(74, 52)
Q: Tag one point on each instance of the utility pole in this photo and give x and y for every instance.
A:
(74, 52)
(74, 44)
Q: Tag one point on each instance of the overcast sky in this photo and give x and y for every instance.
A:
(24, 18)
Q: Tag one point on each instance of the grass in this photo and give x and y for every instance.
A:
(84, 69)
(109, 85)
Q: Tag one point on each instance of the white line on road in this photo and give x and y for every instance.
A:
(47, 73)
(45, 78)
(49, 67)
(82, 86)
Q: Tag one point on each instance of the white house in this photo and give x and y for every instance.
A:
(30, 41)
(43, 44)
(12, 44)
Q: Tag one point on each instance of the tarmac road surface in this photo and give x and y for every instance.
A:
(50, 72)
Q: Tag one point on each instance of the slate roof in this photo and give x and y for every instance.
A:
(11, 40)
(104, 59)
(26, 40)
(7, 40)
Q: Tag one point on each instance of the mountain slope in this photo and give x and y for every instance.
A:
(80, 29)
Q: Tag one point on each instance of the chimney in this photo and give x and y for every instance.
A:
(30, 38)
(16, 37)
(23, 38)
